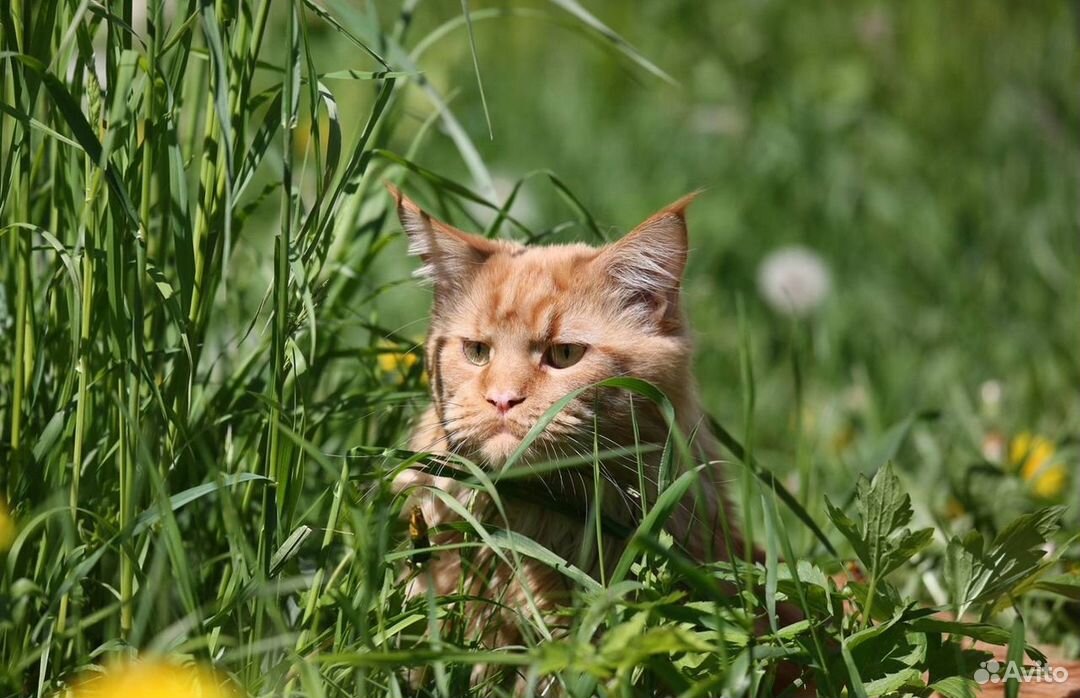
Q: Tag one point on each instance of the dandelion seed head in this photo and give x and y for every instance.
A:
(794, 281)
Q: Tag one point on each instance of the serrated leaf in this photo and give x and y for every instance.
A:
(885, 508)
(977, 577)
(849, 529)
(965, 572)
(907, 546)
(816, 585)
(878, 537)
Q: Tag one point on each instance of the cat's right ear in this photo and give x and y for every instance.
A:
(450, 256)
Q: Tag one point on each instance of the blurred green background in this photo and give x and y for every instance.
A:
(926, 151)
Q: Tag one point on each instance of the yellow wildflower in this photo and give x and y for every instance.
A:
(397, 364)
(7, 527)
(1034, 457)
(155, 679)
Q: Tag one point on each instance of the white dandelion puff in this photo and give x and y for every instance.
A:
(793, 281)
(990, 392)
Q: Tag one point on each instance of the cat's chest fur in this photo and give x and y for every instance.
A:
(550, 511)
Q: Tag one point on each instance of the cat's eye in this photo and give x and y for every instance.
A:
(477, 353)
(564, 355)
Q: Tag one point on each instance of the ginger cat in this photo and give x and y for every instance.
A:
(514, 328)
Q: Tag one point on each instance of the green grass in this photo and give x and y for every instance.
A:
(205, 301)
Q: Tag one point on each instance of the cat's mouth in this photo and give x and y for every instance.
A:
(491, 441)
(501, 440)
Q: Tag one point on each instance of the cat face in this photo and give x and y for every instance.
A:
(516, 328)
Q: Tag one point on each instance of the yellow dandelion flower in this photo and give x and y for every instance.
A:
(1050, 484)
(1033, 457)
(7, 527)
(397, 364)
(155, 679)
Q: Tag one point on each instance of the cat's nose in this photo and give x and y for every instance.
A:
(504, 400)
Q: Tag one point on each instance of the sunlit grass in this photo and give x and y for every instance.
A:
(204, 398)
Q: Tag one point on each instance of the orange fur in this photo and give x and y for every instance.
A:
(621, 302)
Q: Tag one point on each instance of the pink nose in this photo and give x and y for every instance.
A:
(503, 400)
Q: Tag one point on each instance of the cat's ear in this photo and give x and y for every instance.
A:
(450, 256)
(647, 265)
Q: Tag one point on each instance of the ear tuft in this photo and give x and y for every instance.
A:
(647, 264)
(678, 208)
(450, 255)
(419, 229)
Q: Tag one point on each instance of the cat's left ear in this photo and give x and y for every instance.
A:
(647, 264)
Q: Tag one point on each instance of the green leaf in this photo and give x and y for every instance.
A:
(1067, 585)
(903, 681)
(654, 521)
(907, 546)
(70, 109)
(965, 572)
(978, 576)
(51, 433)
(662, 640)
(955, 687)
(289, 549)
(855, 640)
(850, 530)
(984, 632)
(151, 516)
(476, 66)
(530, 548)
(878, 537)
(886, 599)
(350, 74)
(814, 582)
(37, 125)
(884, 507)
